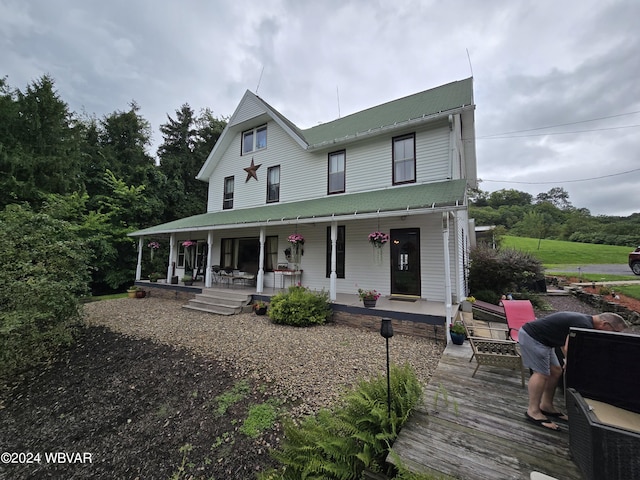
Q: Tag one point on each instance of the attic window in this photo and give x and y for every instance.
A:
(254, 139)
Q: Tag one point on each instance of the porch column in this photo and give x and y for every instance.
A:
(260, 279)
(447, 270)
(172, 246)
(207, 274)
(334, 261)
(139, 266)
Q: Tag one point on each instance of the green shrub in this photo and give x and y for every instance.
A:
(43, 273)
(502, 271)
(341, 443)
(300, 307)
(488, 296)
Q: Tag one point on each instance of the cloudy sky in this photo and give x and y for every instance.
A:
(557, 83)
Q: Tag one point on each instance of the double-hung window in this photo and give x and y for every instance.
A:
(336, 172)
(273, 184)
(404, 159)
(227, 201)
(254, 139)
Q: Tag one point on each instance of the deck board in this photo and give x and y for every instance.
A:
(474, 428)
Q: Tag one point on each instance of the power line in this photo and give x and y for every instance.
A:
(557, 133)
(561, 124)
(556, 182)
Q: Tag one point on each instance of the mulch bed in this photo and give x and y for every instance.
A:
(132, 404)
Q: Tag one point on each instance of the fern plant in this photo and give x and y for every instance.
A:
(339, 444)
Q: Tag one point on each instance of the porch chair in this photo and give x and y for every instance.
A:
(517, 312)
(490, 346)
(482, 329)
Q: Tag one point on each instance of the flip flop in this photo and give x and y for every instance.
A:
(556, 415)
(541, 423)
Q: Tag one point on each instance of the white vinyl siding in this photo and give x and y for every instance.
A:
(369, 167)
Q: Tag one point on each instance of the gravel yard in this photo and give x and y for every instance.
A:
(139, 391)
(308, 367)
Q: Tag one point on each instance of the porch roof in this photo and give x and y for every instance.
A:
(404, 200)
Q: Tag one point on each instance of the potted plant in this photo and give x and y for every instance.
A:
(187, 280)
(131, 291)
(368, 297)
(155, 276)
(260, 307)
(467, 304)
(457, 332)
(140, 293)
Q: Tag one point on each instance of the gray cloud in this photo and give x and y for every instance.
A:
(534, 63)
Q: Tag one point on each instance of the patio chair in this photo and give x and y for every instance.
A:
(482, 329)
(496, 353)
(517, 312)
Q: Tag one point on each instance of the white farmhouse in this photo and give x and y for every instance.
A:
(401, 168)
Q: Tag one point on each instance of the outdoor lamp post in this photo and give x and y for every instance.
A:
(386, 330)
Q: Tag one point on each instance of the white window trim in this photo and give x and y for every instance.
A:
(254, 137)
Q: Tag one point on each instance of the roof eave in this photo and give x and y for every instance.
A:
(386, 128)
(409, 211)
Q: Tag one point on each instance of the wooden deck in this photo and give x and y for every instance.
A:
(474, 428)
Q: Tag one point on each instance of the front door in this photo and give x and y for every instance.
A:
(405, 262)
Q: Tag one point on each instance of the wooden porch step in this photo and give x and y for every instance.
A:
(219, 302)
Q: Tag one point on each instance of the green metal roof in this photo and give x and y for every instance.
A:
(395, 199)
(430, 102)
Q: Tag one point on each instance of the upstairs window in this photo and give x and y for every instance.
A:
(254, 139)
(336, 172)
(227, 201)
(404, 159)
(273, 184)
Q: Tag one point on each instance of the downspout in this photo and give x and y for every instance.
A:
(207, 275)
(139, 266)
(260, 280)
(447, 271)
(334, 262)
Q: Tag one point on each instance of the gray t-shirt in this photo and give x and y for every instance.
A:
(553, 329)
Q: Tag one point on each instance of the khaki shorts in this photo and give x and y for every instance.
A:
(535, 355)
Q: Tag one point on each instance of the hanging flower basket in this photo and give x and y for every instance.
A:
(378, 239)
(153, 246)
(189, 255)
(295, 239)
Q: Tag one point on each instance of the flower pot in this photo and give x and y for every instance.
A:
(457, 338)
(261, 311)
(369, 302)
(141, 294)
(466, 306)
(188, 282)
(131, 293)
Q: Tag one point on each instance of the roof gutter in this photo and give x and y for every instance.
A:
(409, 211)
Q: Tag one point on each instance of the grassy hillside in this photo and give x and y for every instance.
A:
(556, 252)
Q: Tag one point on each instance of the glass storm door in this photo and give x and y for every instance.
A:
(405, 262)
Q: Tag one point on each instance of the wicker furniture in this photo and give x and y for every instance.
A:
(603, 403)
(492, 352)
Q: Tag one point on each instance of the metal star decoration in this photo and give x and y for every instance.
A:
(251, 171)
